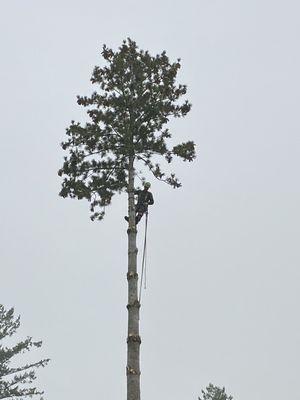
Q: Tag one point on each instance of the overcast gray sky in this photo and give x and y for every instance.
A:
(222, 302)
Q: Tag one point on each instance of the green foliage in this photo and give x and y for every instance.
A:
(15, 382)
(214, 393)
(136, 96)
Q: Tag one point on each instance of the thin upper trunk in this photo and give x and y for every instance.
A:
(133, 306)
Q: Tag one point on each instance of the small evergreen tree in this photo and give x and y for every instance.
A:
(136, 96)
(16, 382)
(214, 393)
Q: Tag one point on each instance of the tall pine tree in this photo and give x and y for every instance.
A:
(16, 382)
(136, 96)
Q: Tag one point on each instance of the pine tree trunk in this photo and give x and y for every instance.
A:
(133, 306)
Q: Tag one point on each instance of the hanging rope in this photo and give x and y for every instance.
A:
(144, 260)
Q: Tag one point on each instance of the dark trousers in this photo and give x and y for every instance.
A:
(140, 210)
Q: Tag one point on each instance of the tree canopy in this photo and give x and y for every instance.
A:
(16, 382)
(213, 392)
(136, 95)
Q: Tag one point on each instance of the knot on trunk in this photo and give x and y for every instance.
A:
(132, 275)
(134, 338)
(133, 251)
(132, 371)
(136, 304)
(131, 229)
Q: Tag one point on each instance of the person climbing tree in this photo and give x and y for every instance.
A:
(145, 199)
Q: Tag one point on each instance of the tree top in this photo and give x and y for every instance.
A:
(136, 95)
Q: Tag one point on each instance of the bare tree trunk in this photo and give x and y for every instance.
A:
(133, 306)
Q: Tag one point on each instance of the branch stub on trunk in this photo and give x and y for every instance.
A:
(132, 371)
(132, 275)
(136, 304)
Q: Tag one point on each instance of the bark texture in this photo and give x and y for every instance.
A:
(133, 306)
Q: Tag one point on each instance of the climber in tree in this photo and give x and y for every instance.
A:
(145, 199)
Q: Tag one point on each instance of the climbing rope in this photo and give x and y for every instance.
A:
(144, 261)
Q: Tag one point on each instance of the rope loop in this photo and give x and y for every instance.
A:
(144, 260)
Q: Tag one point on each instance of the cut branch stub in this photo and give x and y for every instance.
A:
(131, 371)
(132, 275)
(134, 338)
(135, 304)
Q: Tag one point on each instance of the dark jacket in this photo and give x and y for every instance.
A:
(145, 198)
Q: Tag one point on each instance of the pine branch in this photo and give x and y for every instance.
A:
(171, 180)
(12, 380)
(38, 364)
